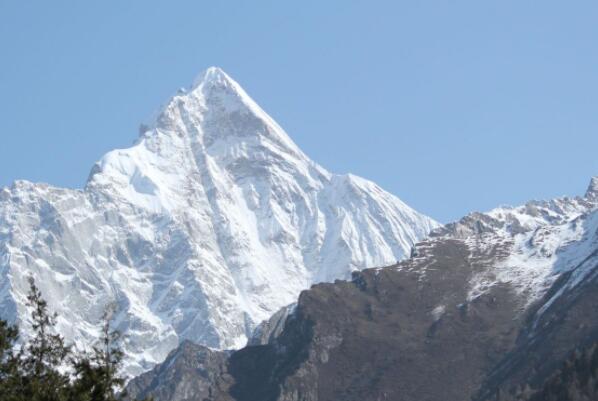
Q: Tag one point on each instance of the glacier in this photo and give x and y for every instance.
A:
(210, 223)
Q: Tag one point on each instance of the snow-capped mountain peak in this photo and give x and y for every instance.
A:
(219, 101)
(214, 126)
(212, 221)
(213, 75)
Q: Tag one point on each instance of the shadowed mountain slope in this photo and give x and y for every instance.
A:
(484, 307)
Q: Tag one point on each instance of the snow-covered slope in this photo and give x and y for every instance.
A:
(529, 247)
(209, 224)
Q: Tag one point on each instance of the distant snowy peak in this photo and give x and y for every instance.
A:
(529, 247)
(211, 222)
(530, 216)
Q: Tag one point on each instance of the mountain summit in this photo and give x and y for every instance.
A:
(592, 191)
(212, 221)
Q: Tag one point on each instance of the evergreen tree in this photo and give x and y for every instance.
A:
(45, 369)
(45, 355)
(97, 374)
(9, 362)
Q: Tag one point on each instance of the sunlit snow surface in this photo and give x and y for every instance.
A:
(209, 224)
(529, 247)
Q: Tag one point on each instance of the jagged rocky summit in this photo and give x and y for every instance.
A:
(212, 221)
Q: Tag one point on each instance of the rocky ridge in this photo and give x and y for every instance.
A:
(484, 307)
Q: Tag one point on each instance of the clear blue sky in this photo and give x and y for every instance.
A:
(453, 106)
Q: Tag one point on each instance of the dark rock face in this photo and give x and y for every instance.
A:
(417, 331)
(546, 341)
(397, 335)
(576, 380)
(389, 334)
(188, 374)
(592, 191)
(270, 329)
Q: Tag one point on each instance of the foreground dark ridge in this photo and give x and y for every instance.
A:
(462, 319)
